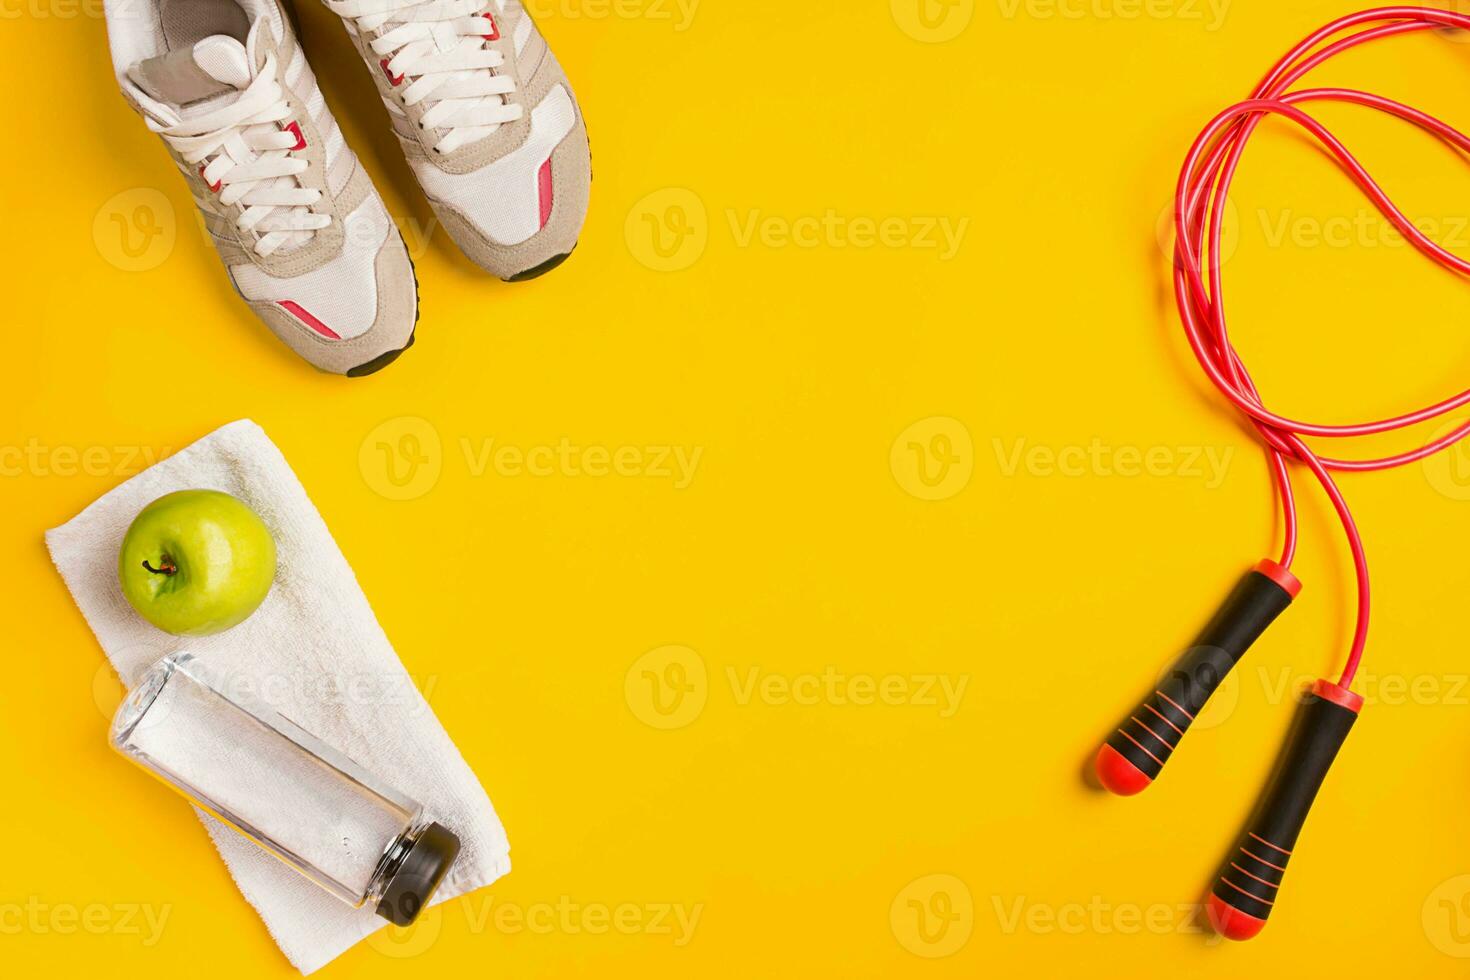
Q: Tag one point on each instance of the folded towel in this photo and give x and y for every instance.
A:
(316, 650)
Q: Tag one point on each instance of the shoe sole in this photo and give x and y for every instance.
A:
(535, 272)
(383, 360)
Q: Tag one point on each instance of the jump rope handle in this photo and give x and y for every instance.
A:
(1135, 753)
(1247, 887)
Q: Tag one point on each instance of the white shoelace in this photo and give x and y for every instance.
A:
(251, 163)
(439, 48)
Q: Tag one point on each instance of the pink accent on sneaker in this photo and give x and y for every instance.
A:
(543, 180)
(294, 128)
(295, 310)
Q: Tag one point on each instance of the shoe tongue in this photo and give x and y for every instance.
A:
(214, 67)
(224, 59)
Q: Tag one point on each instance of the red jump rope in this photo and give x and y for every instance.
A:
(1133, 756)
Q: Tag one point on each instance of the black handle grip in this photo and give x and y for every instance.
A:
(1247, 887)
(1135, 753)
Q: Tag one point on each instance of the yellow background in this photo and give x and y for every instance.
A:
(539, 607)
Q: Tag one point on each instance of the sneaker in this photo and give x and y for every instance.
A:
(297, 222)
(488, 122)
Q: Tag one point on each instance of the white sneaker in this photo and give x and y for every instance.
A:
(488, 122)
(302, 231)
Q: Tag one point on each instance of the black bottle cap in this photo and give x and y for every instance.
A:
(409, 889)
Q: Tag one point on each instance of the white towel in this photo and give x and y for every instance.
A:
(314, 635)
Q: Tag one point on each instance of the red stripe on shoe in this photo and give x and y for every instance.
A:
(311, 321)
(548, 197)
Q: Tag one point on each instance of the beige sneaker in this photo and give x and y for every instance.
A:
(302, 231)
(488, 122)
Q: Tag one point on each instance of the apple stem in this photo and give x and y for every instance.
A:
(167, 566)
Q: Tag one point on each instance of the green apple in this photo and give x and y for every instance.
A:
(196, 562)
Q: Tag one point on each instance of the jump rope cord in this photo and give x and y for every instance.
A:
(1199, 211)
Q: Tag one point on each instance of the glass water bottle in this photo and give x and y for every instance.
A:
(279, 786)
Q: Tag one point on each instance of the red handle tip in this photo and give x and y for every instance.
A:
(1118, 775)
(1230, 921)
